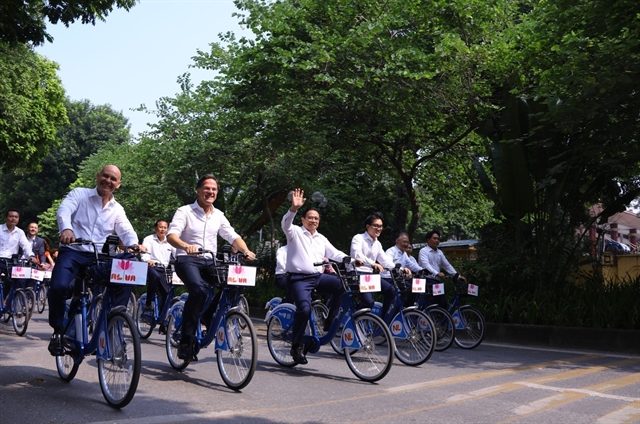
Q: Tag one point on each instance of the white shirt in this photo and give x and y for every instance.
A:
(434, 261)
(12, 241)
(364, 247)
(158, 251)
(281, 260)
(400, 257)
(81, 211)
(304, 249)
(193, 226)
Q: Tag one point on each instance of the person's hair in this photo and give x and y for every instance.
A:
(205, 177)
(402, 233)
(311, 208)
(431, 233)
(33, 222)
(46, 246)
(159, 221)
(11, 210)
(373, 217)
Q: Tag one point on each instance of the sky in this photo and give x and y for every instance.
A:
(135, 57)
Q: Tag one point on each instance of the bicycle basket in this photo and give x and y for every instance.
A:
(460, 285)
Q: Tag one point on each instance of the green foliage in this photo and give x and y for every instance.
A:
(23, 21)
(31, 108)
(90, 127)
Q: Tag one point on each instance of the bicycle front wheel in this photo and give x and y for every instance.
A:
(371, 361)
(131, 306)
(279, 343)
(41, 298)
(417, 347)
(20, 313)
(238, 364)
(444, 327)
(31, 300)
(470, 332)
(172, 343)
(120, 373)
(144, 328)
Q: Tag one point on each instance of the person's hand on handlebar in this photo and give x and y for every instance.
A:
(358, 262)
(249, 255)
(67, 236)
(377, 268)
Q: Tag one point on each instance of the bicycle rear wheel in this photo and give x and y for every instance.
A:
(172, 343)
(66, 364)
(120, 373)
(472, 332)
(41, 298)
(238, 364)
(371, 361)
(417, 347)
(20, 313)
(444, 327)
(279, 343)
(144, 328)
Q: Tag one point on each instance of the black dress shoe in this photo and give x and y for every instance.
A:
(297, 353)
(162, 329)
(55, 345)
(185, 353)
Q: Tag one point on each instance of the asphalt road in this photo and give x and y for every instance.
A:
(493, 383)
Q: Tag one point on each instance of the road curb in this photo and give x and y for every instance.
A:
(598, 339)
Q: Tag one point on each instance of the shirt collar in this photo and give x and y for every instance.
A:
(199, 210)
(5, 228)
(367, 237)
(307, 232)
(111, 201)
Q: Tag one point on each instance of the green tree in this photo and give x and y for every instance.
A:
(403, 82)
(90, 128)
(24, 21)
(31, 107)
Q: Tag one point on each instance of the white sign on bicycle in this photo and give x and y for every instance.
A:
(175, 280)
(20, 272)
(369, 283)
(36, 274)
(240, 275)
(128, 272)
(438, 289)
(419, 285)
(472, 290)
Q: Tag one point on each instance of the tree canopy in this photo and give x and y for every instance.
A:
(24, 21)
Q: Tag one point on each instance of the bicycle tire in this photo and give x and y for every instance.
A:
(19, 313)
(30, 295)
(279, 343)
(41, 298)
(119, 375)
(238, 364)
(320, 314)
(417, 347)
(445, 330)
(144, 329)
(371, 362)
(93, 319)
(172, 346)
(472, 334)
(66, 364)
(243, 304)
(131, 305)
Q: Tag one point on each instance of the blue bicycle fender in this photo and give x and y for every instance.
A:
(457, 320)
(349, 338)
(284, 312)
(270, 306)
(377, 309)
(176, 313)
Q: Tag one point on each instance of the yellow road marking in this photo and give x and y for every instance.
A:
(626, 414)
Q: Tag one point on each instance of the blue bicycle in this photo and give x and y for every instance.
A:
(114, 341)
(160, 311)
(15, 307)
(462, 323)
(365, 338)
(236, 343)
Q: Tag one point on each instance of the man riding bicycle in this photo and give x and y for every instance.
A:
(90, 214)
(12, 241)
(194, 227)
(306, 246)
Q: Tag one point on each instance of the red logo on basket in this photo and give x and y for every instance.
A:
(237, 269)
(125, 265)
(367, 278)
